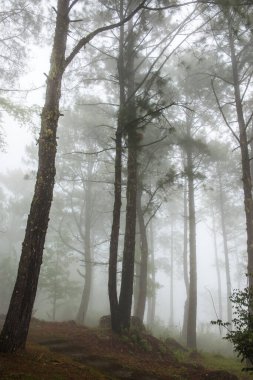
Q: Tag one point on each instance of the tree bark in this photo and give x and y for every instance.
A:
(225, 248)
(251, 152)
(185, 262)
(192, 309)
(143, 279)
(217, 266)
(137, 265)
(126, 290)
(15, 329)
(246, 174)
(171, 318)
(152, 296)
(114, 240)
(83, 308)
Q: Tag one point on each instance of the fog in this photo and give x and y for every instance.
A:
(189, 167)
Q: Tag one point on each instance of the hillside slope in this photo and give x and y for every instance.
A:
(66, 351)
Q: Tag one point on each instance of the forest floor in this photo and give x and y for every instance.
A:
(66, 351)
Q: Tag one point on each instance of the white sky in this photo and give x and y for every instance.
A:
(17, 136)
(16, 140)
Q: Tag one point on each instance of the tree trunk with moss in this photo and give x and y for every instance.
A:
(15, 329)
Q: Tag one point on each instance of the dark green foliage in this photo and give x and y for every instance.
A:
(240, 334)
(168, 179)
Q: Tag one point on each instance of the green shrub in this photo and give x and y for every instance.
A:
(240, 333)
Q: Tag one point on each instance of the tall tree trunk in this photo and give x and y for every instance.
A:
(82, 312)
(126, 290)
(251, 152)
(143, 280)
(245, 161)
(225, 248)
(114, 240)
(15, 329)
(185, 262)
(246, 174)
(137, 266)
(171, 318)
(192, 310)
(83, 308)
(217, 265)
(152, 296)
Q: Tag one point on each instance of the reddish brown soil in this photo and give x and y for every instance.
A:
(65, 351)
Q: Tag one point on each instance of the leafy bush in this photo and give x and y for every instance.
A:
(240, 333)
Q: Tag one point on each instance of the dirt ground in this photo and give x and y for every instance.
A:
(66, 351)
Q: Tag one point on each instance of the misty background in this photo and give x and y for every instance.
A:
(183, 68)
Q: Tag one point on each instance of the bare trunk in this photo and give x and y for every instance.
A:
(114, 240)
(245, 161)
(246, 174)
(251, 152)
(143, 280)
(171, 318)
(137, 266)
(152, 296)
(217, 265)
(126, 290)
(192, 310)
(185, 263)
(225, 248)
(15, 330)
(83, 308)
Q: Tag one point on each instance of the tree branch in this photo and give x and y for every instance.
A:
(152, 215)
(20, 90)
(85, 40)
(236, 4)
(171, 6)
(222, 113)
(79, 152)
(153, 142)
(98, 104)
(70, 246)
(73, 4)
